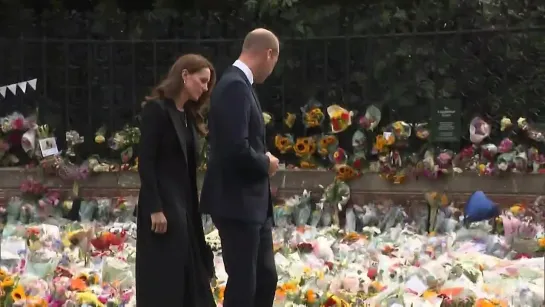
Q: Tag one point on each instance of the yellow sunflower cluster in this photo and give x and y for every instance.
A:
(12, 292)
(305, 146)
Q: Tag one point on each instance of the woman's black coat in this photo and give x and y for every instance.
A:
(175, 268)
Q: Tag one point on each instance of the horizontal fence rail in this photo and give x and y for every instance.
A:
(84, 84)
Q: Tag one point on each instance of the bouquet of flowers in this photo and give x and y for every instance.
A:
(32, 189)
(124, 208)
(14, 122)
(72, 139)
(312, 114)
(124, 140)
(340, 118)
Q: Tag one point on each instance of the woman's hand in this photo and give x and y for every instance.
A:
(158, 222)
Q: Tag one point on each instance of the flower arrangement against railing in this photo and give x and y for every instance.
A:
(375, 147)
(385, 150)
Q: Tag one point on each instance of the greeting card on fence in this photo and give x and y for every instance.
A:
(48, 146)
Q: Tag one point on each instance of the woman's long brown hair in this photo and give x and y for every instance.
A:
(171, 86)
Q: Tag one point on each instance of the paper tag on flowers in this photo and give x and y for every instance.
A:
(48, 147)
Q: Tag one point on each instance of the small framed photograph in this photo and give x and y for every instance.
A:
(48, 146)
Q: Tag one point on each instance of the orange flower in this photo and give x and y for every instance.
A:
(310, 296)
(541, 242)
(483, 302)
(221, 293)
(280, 293)
(78, 284)
(380, 143)
(289, 287)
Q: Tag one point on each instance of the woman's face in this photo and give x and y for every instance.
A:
(196, 84)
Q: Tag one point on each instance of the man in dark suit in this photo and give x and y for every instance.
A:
(236, 188)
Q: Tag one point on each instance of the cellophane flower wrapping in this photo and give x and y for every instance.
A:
(302, 209)
(88, 210)
(13, 209)
(116, 270)
(104, 212)
(123, 208)
(42, 263)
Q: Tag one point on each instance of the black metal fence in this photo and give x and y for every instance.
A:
(85, 84)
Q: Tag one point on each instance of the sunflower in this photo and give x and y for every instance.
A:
(283, 143)
(7, 282)
(345, 172)
(3, 274)
(18, 294)
(314, 117)
(302, 147)
(324, 144)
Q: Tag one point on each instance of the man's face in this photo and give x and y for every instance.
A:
(269, 60)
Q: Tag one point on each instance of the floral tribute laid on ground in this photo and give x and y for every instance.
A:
(329, 252)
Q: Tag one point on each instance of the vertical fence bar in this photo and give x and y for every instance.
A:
(154, 61)
(66, 111)
(111, 105)
(326, 63)
(347, 65)
(66, 85)
(133, 79)
(22, 76)
(90, 71)
(44, 76)
(304, 62)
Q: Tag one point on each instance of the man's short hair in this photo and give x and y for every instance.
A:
(260, 39)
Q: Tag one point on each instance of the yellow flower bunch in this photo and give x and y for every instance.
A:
(304, 146)
(313, 118)
(284, 143)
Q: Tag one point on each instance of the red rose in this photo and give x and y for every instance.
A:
(357, 163)
(18, 124)
(372, 273)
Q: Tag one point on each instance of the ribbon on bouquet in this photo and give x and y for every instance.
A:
(21, 85)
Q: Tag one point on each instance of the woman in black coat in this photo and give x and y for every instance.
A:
(174, 265)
